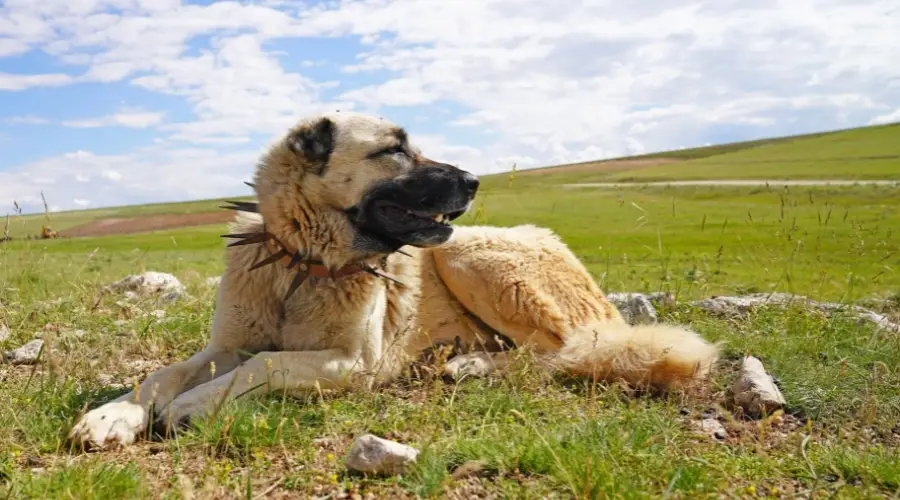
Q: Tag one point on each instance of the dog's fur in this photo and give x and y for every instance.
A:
(322, 192)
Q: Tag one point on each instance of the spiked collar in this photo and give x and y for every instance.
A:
(294, 259)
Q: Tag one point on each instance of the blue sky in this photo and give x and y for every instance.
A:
(110, 102)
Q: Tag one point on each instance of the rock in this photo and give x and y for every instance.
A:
(712, 427)
(636, 308)
(372, 454)
(158, 314)
(25, 355)
(172, 297)
(5, 334)
(150, 283)
(107, 380)
(739, 307)
(755, 390)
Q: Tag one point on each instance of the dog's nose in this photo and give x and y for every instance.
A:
(471, 182)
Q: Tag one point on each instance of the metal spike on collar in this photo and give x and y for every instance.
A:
(298, 280)
(252, 185)
(242, 206)
(247, 238)
(295, 259)
(275, 257)
(381, 274)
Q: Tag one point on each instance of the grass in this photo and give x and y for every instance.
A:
(867, 153)
(856, 154)
(527, 435)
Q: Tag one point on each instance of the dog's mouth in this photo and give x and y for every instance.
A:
(417, 218)
(415, 209)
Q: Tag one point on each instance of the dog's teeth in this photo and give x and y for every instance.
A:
(439, 218)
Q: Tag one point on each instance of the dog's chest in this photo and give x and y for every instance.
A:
(346, 316)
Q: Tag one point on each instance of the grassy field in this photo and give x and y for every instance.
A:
(863, 153)
(534, 436)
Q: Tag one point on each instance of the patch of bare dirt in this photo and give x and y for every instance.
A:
(601, 166)
(144, 223)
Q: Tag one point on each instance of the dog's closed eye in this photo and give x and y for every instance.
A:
(392, 150)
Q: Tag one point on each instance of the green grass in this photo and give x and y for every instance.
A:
(868, 153)
(534, 436)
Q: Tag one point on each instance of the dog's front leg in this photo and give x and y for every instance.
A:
(120, 421)
(290, 371)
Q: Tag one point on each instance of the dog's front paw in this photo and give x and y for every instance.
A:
(476, 364)
(113, 424)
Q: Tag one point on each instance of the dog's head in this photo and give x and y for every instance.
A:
(350, 183)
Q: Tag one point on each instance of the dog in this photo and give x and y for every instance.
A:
(348, 267)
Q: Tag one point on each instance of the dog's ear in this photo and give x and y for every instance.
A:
(315, 143)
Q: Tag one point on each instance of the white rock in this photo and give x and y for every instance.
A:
(374, 455)
(740, 306)
(4, 333)
(25, 355)
(158, 314)
(636, 308)
(150, 283)
(172, 297)
(712, 427)
(755, 390)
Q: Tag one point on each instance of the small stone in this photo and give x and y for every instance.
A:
(372, 454)
(171, 297)
(158, 314)
(5, 334)
(636, 308)
(713, 427)
(25, 355)
(79, 333)
(755, 390)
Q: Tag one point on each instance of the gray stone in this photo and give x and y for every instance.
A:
(713, 428)
(164, 285)
(5, 334)
(636, 308)
(739, 307)
(755, 390)
(25, 355)
(374, 455)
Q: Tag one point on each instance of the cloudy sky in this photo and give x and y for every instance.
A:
(110, 102)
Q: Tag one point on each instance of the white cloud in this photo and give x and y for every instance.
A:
(124, 118)
(26, 120)
(891, 117)
(146, 175)
(10, 81)
(81, 202)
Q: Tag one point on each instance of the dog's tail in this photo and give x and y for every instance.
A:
(659, 355)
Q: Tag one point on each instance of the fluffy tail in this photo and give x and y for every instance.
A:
(661, 355)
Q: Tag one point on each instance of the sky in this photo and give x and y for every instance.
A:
(120, 102)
